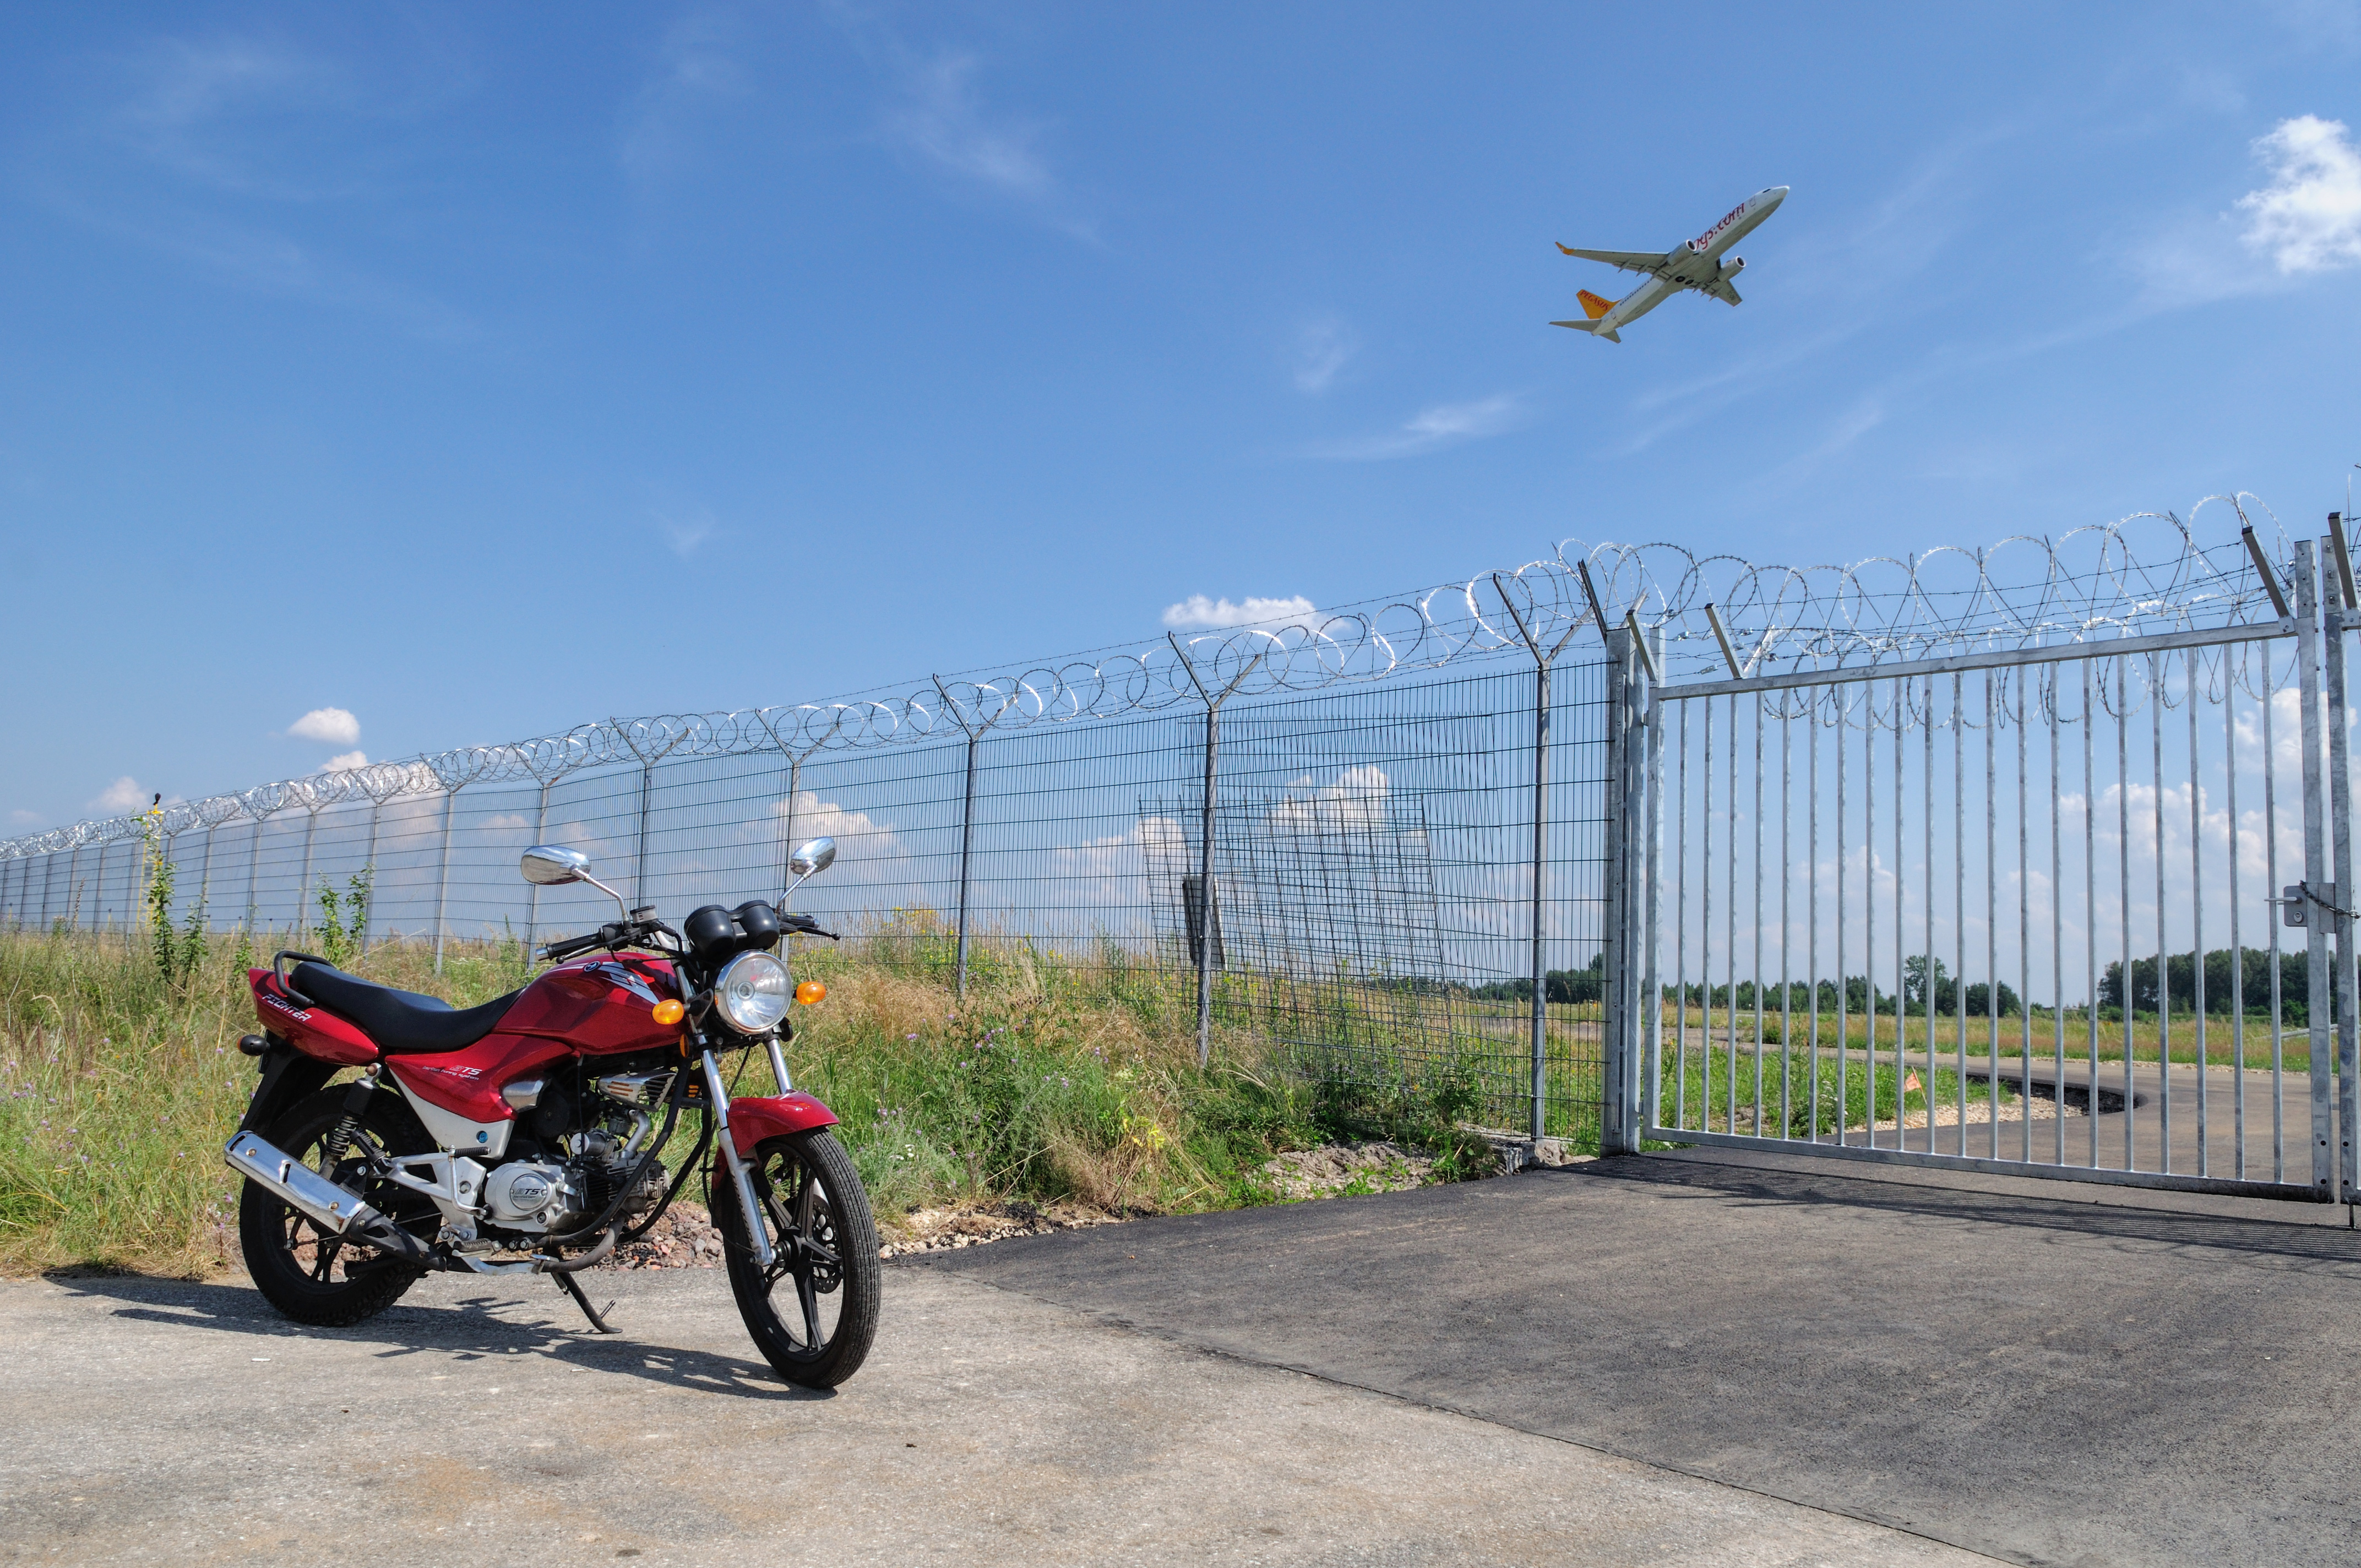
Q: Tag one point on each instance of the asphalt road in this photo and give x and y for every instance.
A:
(478, 1423)
(2041, 1372)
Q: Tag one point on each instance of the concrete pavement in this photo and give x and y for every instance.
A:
(2041, 1372)
(478, 1423)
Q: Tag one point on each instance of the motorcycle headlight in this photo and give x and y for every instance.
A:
(752, 992)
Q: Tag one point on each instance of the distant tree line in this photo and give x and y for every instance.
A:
(1586, 984)
(2254, 973)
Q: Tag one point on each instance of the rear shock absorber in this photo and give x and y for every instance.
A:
(340, 1137)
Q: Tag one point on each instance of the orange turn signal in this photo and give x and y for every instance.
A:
(668, 1012)
(809, 992)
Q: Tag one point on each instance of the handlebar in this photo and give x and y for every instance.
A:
(621, 933)
(558, 953)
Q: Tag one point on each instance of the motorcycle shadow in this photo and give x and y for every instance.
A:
(462, 1331)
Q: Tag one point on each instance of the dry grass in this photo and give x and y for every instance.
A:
(1052, 1083)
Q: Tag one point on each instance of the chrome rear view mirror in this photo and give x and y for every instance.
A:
(548, 865)
(812, 858)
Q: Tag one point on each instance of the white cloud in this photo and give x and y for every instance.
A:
(332, 726)
(685, 536)
(861, 838)
(1358, 799)
(2307, 219)
(125, 795)
(507, 819)
(1198, 611)
(344, 762)
(1444, 424)
(20, 817)
(696, 65)
(1321, 351)
(1153, 841)
(943, 120)
(199, 98)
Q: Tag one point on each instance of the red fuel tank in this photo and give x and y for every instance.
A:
(599, 1006)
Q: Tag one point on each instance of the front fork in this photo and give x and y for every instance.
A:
(758, 1235)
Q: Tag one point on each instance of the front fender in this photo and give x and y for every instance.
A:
(758, 1118)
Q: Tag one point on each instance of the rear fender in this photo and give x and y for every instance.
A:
(313, 1031)
(759, 1117)
(288, 1075)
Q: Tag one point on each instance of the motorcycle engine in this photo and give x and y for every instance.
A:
(532, 1196)
(605, 1166)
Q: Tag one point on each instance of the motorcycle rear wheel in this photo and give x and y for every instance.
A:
(301, 1269)
(825, 1243)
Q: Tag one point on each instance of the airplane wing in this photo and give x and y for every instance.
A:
(1722, 291)
(1629, 260)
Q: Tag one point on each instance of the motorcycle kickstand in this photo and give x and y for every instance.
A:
(566, 1282)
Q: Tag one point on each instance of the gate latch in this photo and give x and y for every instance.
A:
(2293, 907)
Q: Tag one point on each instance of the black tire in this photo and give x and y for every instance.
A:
(299, 1268)
(825, 1243)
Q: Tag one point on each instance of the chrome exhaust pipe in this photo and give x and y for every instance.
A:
(327, 1205)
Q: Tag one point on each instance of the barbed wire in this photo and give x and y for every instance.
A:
(2141, 574)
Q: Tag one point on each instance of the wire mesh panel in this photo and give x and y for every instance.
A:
(1373, 879)
(1403, 837)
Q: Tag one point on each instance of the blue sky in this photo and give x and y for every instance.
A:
(381, 379)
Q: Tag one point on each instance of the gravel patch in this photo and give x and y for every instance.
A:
(1339, 1169)
(685, 1238)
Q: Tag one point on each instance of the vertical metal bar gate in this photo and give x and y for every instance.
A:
(1887, 998)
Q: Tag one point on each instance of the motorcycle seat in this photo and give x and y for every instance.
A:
(403, 1022)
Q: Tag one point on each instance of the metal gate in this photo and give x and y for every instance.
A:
(2065, 911)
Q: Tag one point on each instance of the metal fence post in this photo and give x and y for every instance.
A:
(974, 729)
(787, 822)
(967, 846)
(443, 880)
(627, 734)
(2316, 874)
(2340, 820)
(640, 837)
(1209, 906)
(1628, 947)
(1651, 986)
(368, 869)
(1530, 633)
(253, 868)
(205, 875)
(1614, 944)
(303, 884)
(796, 761)
(532, 889)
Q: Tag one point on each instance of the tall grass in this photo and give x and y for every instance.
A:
(120, 1080)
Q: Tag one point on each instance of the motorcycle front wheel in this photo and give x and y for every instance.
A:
(814, 1312)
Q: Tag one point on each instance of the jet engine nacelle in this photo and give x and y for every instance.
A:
(1731, 266)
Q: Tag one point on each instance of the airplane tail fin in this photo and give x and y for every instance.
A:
(1592, 305)
(1591, 327)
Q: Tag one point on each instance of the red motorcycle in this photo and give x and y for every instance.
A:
(527, 1135)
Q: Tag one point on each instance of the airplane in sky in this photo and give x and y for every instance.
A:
(1693, 264)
